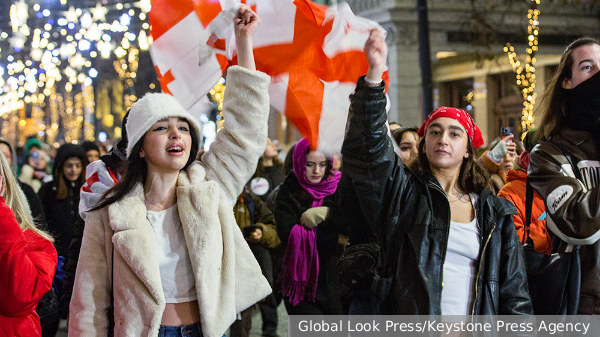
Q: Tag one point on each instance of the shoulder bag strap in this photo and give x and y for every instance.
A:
(567, 155)
(528, 206)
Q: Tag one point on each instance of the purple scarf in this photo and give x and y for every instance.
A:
(300, 269)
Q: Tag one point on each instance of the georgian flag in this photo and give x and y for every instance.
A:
(313, 53)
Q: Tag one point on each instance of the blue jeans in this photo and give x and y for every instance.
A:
(192, 330)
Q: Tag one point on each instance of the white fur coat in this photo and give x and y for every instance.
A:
(228, 278)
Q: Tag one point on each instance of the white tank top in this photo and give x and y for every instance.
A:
(174, 263)
(460, 266)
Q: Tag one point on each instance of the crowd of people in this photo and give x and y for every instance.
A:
(156, 237)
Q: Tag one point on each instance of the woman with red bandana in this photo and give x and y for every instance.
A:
(450, 243)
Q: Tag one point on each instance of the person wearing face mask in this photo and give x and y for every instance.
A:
(309, 225)
(571, 126)
(449, 243)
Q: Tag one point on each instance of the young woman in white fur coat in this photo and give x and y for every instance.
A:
(162, 247)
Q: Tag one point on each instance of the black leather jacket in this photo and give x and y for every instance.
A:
(411, 214)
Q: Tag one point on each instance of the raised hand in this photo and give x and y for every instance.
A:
(511, 146)
(245, 24)
(376, 52)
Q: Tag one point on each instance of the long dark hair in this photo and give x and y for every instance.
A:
(62, 191)
(134, 172)
(473, 176)
(554, 102)
(399, 133)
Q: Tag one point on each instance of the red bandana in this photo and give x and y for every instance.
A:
(462, 117)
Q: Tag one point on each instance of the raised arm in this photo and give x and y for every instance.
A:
(369, 160)
(233, 156)
(245, 24)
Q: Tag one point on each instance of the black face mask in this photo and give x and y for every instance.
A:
(583, 105)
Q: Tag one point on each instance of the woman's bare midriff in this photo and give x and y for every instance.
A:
(178, 314)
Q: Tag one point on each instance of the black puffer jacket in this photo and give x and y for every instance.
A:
(411, 214)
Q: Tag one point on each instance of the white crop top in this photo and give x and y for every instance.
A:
(460, 266)
(174, 263)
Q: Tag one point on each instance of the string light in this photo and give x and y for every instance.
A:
(216, 94)
(526, 76)
(55, 56)
(89, 104)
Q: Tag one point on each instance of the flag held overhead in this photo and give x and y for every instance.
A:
(313, 53)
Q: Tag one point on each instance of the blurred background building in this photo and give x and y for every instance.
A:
(470, 69)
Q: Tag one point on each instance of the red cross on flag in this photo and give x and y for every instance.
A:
(313, 53)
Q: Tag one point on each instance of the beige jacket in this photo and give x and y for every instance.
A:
(228, 278)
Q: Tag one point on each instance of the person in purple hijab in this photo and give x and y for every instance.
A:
(310, 226)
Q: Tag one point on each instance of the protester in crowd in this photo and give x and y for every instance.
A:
(257, 223)
(408, 141)
(269, 172)
(499, 160)
(287, 169)
(178, 262)
(35, 172)
(278, 253)
(91, 150)
(35, 204)
(439, 224)
(27, 260)
(515, 191)
(60, 197)
(32, 144)
(309, 224)
(99, 177)
(47, 306)
(571, 107)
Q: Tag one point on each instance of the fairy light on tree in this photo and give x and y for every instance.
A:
(526, 76)
(51, 54)
(216, 93)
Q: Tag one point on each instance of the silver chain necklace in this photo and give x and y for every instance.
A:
(456, 196)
